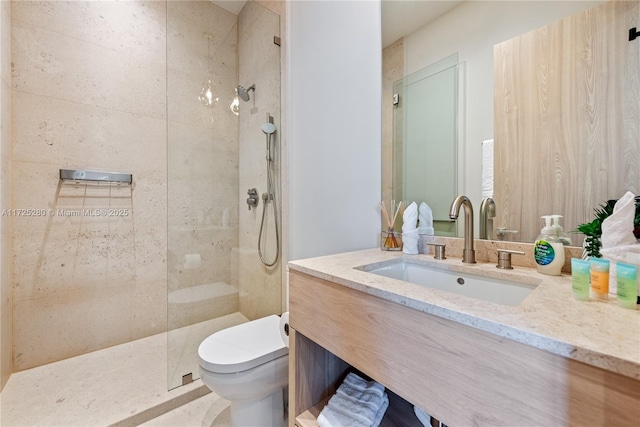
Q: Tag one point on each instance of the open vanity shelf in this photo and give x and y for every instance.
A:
(399, 413)
(459, 374)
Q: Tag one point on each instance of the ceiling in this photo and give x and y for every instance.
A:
(402, 17)
(399, 17)
(233, 6)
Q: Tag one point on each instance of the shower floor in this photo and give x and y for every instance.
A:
(124, 385)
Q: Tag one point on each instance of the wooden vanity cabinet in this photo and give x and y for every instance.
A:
(460, 375)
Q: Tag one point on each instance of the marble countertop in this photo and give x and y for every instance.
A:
(599, 333)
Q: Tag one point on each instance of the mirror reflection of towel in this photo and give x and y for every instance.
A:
(425, 220)
(487, 168)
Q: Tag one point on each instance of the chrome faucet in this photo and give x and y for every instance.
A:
(469, 254)
(487, 210)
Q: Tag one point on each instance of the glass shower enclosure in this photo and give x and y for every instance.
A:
(216, 152)
(425, 140)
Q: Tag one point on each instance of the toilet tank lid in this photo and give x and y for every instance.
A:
(243, 347)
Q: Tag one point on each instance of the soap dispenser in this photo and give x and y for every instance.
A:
(557, 228)
(548, 250)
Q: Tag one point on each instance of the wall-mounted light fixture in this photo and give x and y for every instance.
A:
(208, 96)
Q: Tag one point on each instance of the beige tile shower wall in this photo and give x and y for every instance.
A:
(6, 334)
(259, 64)
(203, 157)
(89, 86)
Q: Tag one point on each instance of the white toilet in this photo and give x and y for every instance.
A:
(248, 365)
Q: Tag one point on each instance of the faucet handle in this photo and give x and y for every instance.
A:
(438, 250)
(504, 258)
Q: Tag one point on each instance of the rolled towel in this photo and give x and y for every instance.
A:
(425, 218)
(410, 217)
(410, 230)
(410, 242)
(357, 403)
(617, 229)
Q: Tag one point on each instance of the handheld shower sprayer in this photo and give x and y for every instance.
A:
(268, 129)
(270, 196)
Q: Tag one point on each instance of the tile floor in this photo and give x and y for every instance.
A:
(124, 385)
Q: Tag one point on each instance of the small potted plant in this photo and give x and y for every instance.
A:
(593, 230)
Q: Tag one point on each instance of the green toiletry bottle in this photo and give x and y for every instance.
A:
(580, 279)
(627, 284)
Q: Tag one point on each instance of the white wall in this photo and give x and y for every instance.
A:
(472, 29)
(335, 65)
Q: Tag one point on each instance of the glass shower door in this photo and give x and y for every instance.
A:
(425, 140)
(215, 277)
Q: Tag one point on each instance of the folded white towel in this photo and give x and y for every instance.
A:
(362, 390)
(357, 403)
(617, 229)
(381, 411)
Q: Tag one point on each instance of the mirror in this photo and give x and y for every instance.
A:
(472, 29)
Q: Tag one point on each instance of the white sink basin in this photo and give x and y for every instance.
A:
(482, 288)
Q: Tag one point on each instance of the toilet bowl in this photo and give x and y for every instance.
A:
(248, 365)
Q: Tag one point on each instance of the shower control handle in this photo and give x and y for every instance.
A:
(252, 200)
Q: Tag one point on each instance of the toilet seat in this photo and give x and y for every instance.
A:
(243, 347)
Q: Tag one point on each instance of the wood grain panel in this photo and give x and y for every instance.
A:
(322, 374)
(458, 374)
(567, 118)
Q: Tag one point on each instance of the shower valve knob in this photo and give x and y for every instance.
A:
(252, 200)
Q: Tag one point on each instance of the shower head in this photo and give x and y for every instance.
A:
(268, 128)
(244, 93)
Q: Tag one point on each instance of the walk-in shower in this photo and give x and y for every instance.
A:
(134, 269)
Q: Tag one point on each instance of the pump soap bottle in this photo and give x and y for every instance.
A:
(564, 237)
(548, 250)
